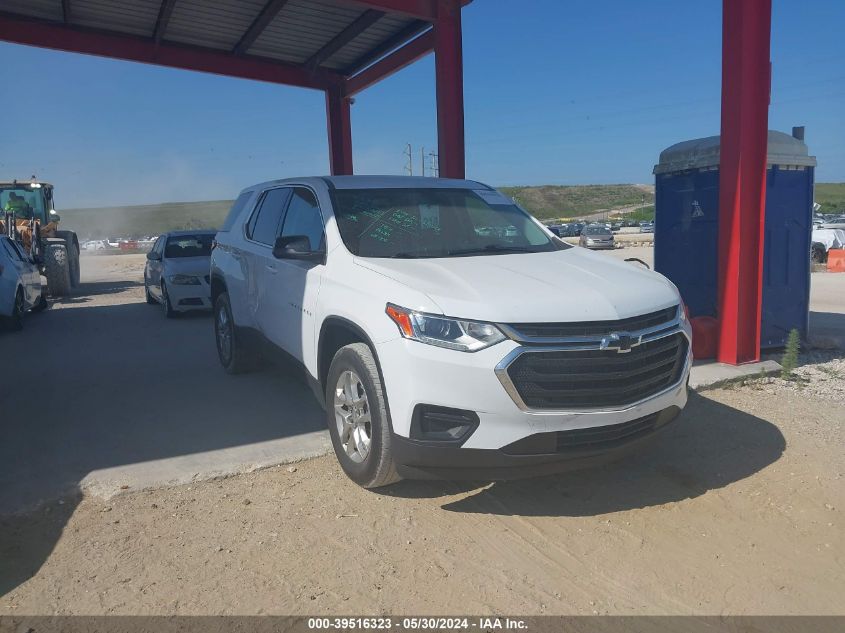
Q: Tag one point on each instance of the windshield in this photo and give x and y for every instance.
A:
(188, 246)
(411, 223)
(23, 201)
(596, 230)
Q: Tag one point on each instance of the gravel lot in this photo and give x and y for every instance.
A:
(735, 509)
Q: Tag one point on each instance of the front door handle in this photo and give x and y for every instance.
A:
(271, 269)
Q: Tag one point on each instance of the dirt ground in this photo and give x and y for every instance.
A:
(735, 509)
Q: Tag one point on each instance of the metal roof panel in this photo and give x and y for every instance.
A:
(135, 17)
(219, 24)
(47, 9)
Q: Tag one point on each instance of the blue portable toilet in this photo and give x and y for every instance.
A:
(686, 229)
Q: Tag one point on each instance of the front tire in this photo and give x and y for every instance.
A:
(15, 321)
(57, 269)
(233, 354)
(147, 295)
(169, 312)
(359, 424)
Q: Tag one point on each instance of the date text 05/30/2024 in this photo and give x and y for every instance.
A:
(417, 623)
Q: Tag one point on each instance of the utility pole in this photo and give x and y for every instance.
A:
(422, 160)
(435, 164)
(409, 167)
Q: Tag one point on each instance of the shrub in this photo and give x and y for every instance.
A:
(790, 355)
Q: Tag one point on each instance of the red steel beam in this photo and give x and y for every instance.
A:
(392, 63)
(339, 124)
(449, 76)
(746, 70)
(145, 50)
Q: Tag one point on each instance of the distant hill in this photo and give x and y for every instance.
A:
(553, 201)
(545, 202)
(831, 196)
(139, 221)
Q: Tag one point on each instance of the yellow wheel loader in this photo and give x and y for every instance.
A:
(28, 215)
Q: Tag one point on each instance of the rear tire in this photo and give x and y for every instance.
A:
(234, 356)
(359, 424)
(57, 269)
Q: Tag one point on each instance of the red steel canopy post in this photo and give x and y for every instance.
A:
(746, 69)
(448, 68)
(339, 123)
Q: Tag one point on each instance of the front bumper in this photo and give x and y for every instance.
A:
(535, 455)
(185, 297)
(415, 374)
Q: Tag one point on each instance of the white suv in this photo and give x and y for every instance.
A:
(448, 333)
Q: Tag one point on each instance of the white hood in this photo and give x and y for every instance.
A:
(568, 285)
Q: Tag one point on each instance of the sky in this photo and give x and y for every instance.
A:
(556, 92)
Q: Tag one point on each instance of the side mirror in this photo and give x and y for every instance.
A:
(54, 217)
(154, 257)
(296, 247)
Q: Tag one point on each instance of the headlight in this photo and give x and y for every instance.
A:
(457, 334)
(185, 280)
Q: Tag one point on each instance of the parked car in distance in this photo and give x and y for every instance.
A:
(646, 227)
(439, 351)
(20, 284)
(176, 274)
(834, 223)
(557, 229)
(597, 237)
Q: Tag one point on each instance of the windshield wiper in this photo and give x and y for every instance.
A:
(492, 249)
(404, 256)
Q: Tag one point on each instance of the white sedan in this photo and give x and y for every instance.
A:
(20, 284)
(177, 271)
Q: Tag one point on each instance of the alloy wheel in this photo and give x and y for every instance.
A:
(352, 415)
(223, 328)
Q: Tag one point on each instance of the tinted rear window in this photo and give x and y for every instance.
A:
(188, 246)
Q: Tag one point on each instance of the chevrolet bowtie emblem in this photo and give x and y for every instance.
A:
(622, 342)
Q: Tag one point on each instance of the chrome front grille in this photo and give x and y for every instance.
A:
(597, 378)
(594, 365)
